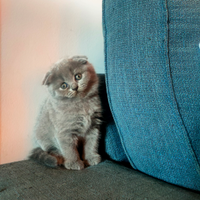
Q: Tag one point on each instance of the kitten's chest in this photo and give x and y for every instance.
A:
(75, 109)
(73, 115)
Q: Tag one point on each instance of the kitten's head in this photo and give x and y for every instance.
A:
(71, 78)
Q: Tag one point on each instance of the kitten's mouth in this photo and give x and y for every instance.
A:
(71, 94)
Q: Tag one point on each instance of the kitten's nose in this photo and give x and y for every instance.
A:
(74, 86)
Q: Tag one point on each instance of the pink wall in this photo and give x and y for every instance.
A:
(34, 34)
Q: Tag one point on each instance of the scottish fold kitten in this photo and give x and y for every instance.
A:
(70, 117)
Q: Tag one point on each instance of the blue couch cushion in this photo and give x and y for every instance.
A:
(152, 60)
(113, 145)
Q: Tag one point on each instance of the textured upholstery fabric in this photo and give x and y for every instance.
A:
(152, 60)
(113, 143)
(27, 180)
(108, 132)
(184, 54)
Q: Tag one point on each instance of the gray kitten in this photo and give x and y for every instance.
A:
(70, 117)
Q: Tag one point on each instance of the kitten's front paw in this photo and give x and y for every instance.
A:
(93, 159)
(74, 165)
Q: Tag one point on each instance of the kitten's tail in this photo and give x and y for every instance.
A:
(46, 158)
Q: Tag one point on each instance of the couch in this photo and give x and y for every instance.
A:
(152, 57)
(150, 139)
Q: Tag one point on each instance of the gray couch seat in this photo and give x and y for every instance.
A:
(107, 180)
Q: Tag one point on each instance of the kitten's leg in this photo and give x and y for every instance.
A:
(42, 152)
(91, 147)
(51, 156)
(68, 145)
(43, 157)
(53, 151)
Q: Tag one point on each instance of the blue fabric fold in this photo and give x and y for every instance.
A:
(152, 62)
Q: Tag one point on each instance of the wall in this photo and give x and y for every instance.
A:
(34, 34)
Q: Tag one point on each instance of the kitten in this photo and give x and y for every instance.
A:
(70, 116)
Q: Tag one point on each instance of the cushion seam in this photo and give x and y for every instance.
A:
(172, 83)
(107, 87)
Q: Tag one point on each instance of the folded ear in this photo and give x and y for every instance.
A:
(47, 79)
(81, 59)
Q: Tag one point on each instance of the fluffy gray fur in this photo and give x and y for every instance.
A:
(70, 116)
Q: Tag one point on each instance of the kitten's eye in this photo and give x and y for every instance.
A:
(78, 76)
(63, 86)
